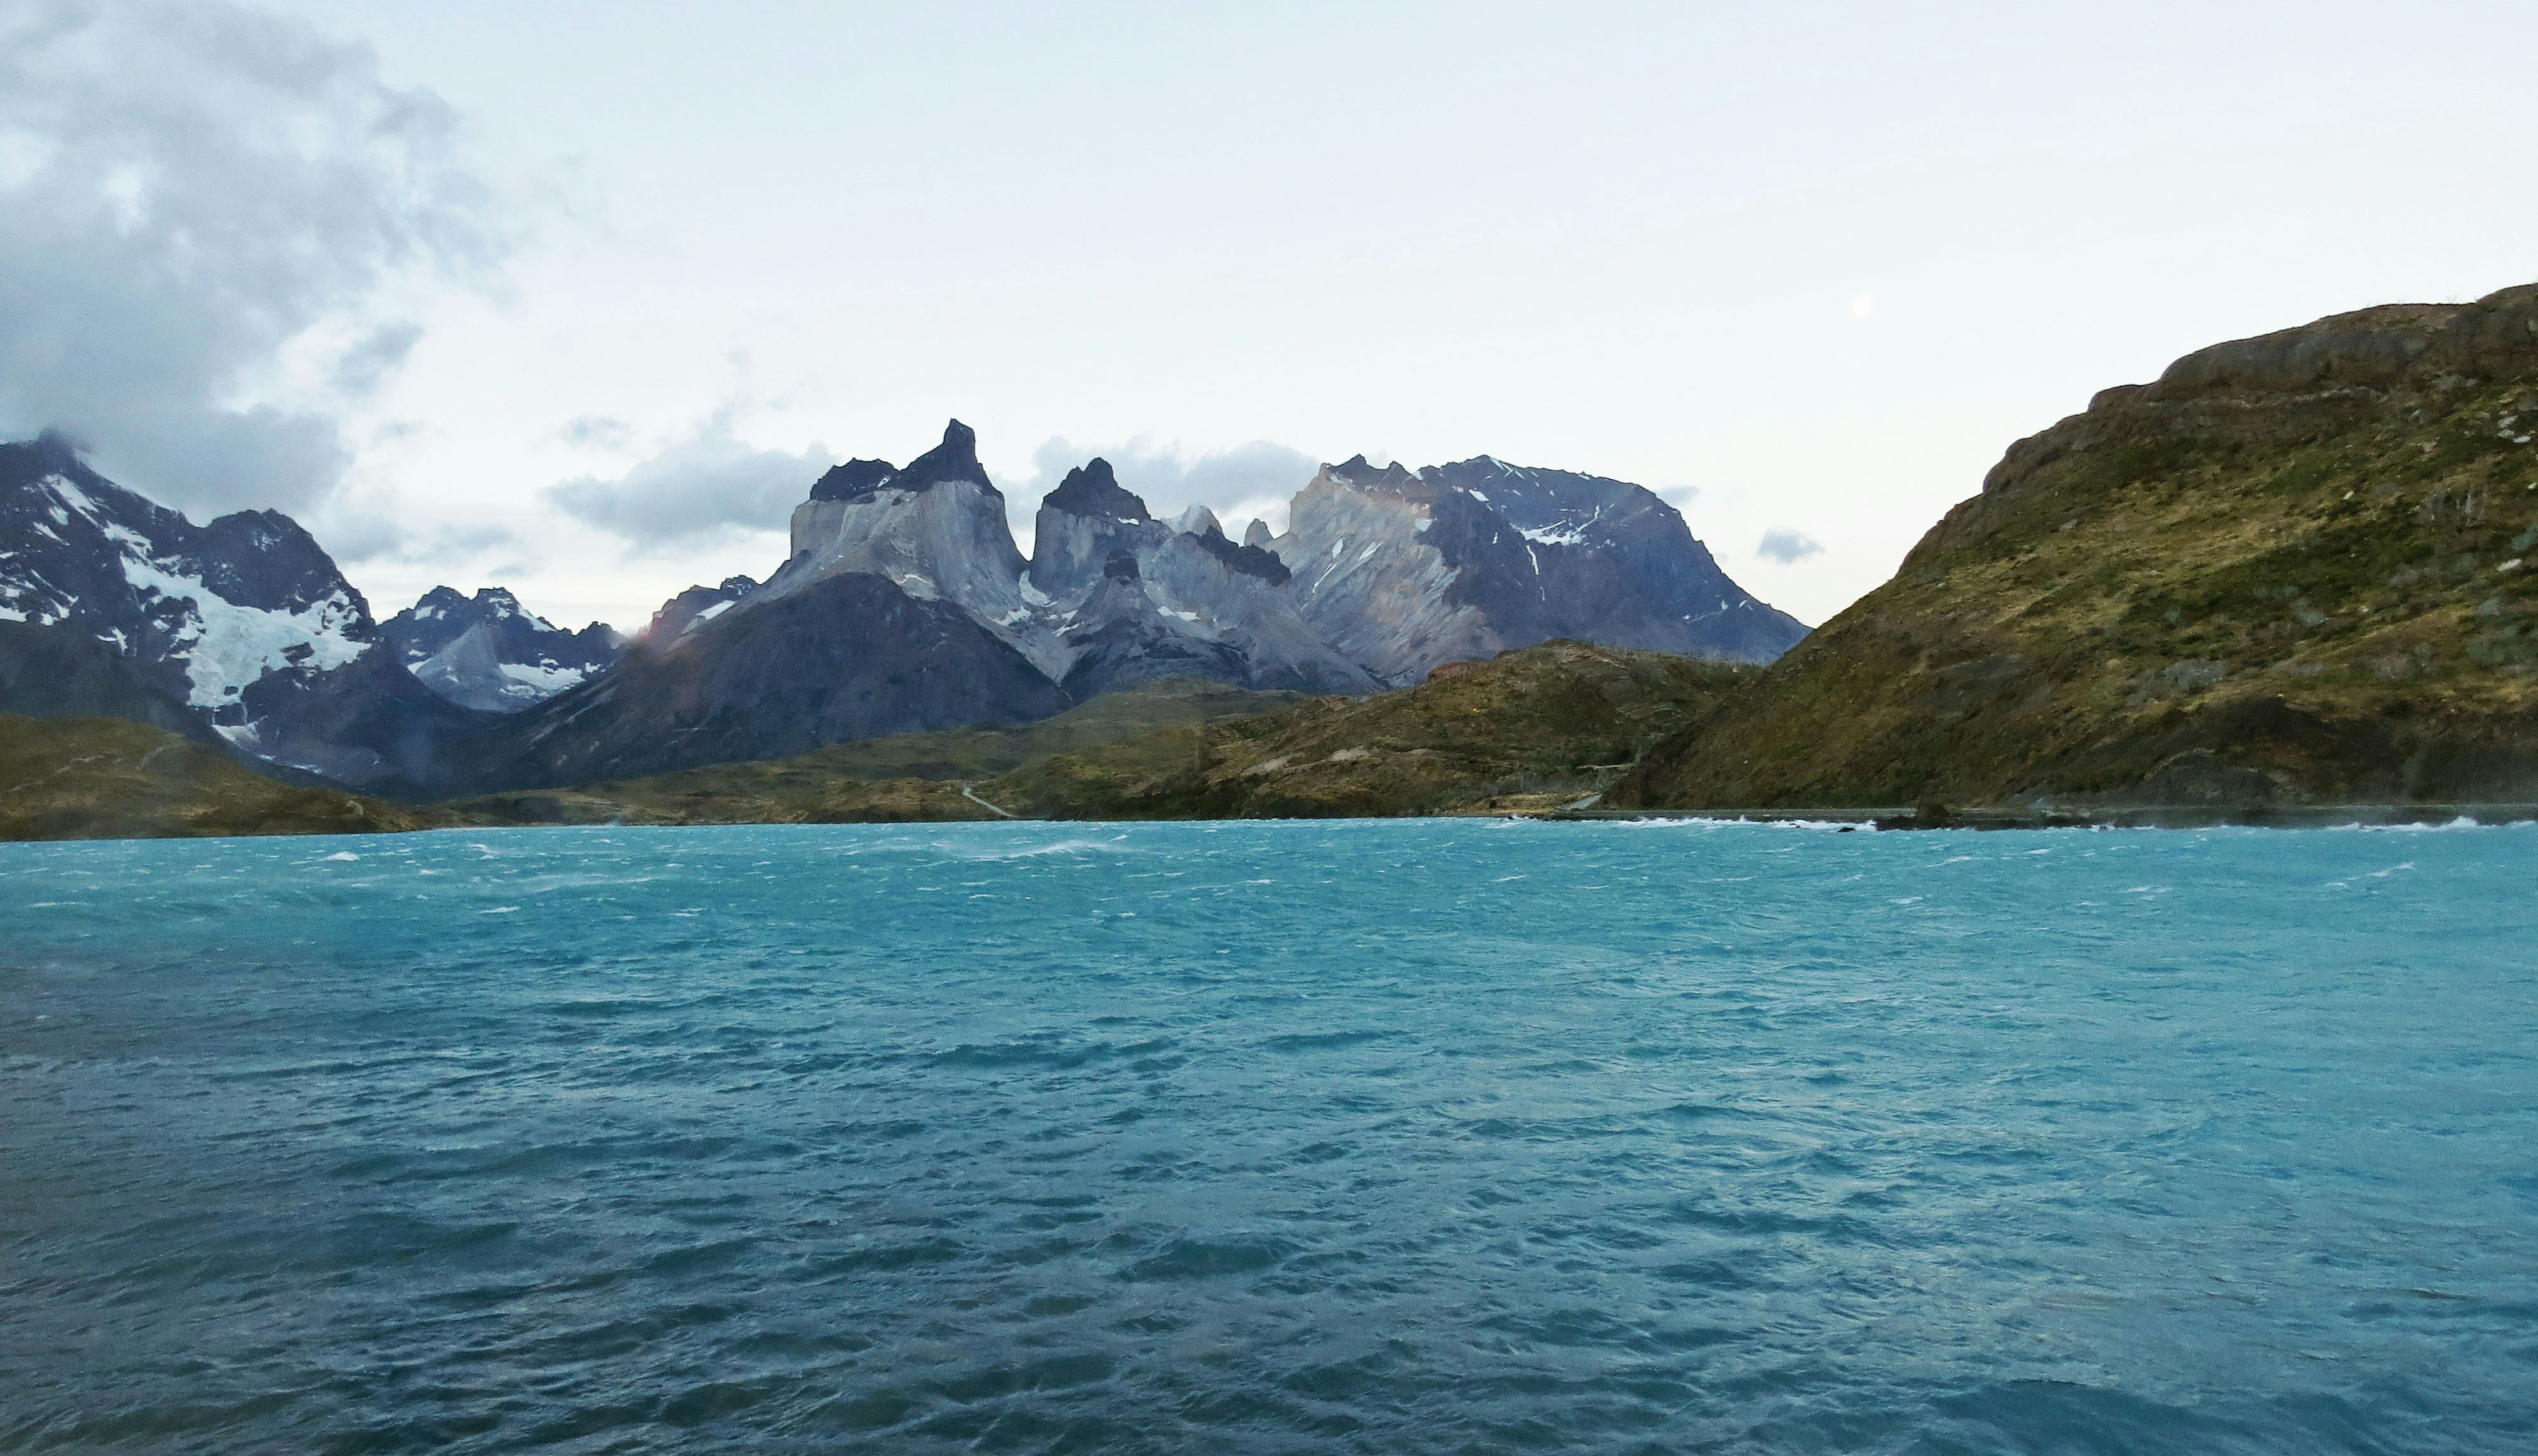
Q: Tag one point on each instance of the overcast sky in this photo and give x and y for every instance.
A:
(581, 296)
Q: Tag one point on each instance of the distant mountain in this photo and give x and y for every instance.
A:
(904, 605)
(489, 652)
(244, 622)
(1404, 570)
(696, 603)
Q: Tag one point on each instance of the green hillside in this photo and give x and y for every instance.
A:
(909, 776)
(2296, 569)
(103, 778)
(1530, 731)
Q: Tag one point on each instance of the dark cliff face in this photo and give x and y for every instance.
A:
(1092, 490)
(849, 657)
(2293, 568)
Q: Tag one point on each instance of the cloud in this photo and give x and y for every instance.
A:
(697, 491)
(1785, 546)
(605, 431)
(1247, 482)
(190, 191)
(367, 365)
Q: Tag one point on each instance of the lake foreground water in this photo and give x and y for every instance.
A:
(1427, 1136)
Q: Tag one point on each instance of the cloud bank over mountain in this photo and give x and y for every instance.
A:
(200, 208)
(697, 491)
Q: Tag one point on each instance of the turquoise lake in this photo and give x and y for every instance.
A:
(1383, 1136)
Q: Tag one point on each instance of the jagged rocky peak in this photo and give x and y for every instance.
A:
(1091, 489)
(490, 652)
(934, 528)
(1259, 534)
(852, 480)
(1082, 525)
(1199, 520)
(694, 605)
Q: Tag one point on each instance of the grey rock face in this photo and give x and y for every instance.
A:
(1405, 570)
(492, 653)
(936, 530)
(1190, 603)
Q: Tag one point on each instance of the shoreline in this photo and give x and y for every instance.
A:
(2093, 817)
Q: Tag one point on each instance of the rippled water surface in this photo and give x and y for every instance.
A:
(1363, 1137)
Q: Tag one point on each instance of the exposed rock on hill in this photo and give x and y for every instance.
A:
(1403, 569)
(489, 652)
(2293, 568)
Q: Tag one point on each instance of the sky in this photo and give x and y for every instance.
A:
(580, 297)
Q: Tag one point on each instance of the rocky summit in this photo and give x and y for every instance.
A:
(1403, 569)
(488, 651)
(2293, 569)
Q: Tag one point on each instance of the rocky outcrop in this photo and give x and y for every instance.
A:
(1404, 570)
(489, 652)
(697, 604)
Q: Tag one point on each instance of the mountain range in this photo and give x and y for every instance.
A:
(902, 605)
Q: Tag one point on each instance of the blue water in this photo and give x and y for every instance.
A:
(1286, 1137)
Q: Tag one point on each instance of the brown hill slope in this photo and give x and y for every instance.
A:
(108, 778)
(907, 776)
(2296, 569)
(1527, 730)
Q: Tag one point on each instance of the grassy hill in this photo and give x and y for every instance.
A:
(909, 776)
(2296, 569)
(1530, 731)
(101, 779)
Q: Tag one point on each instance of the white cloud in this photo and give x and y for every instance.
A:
(188, 191)
(696, 493)
(1786, 546)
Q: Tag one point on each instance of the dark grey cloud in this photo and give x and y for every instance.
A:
(697, 491)
(188, 188)
(1785, 546)
(1239, 484)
